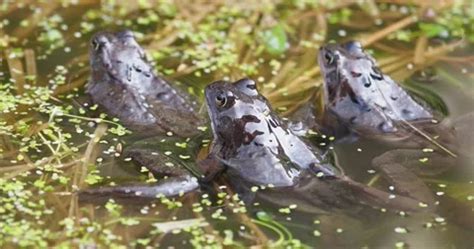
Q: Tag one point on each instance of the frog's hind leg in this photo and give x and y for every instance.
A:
(174, 176)
(172, 186)
(406, 183)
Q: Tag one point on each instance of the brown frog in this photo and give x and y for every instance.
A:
(123, 83)
(362, 100)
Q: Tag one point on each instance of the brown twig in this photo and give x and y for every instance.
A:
(388, 30)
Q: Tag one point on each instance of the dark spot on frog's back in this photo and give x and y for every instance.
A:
(257, 144)
(407, 113)
(238, 133)
(250, 118)
(376, 74)
(273, 123)
(249, 137)
(346, 90)
(162, 96)
(367, 82)
(139, 70)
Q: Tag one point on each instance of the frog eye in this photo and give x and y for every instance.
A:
(221, 100)
(247, 86)
(329, 57)
(94, 44)
(225, 100)
(99, 41)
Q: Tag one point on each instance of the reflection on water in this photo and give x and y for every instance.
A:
(39, 184)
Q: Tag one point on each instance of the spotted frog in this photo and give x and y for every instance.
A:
(256, 145)
(123, 83)
(252, 140)
(358, 95)
(368, 102)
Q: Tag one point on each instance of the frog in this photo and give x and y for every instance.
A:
(247, 132)
(124, 84)
(360, 99)
(253, 146)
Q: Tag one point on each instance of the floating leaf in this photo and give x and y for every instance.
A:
(432, 29)
(166, 227)
(275, 40)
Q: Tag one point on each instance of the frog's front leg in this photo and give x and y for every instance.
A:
(173, 178)
(209, 168)
(162, 158)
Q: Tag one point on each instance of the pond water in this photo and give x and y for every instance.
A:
(55, 142)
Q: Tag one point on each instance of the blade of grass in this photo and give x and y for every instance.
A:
(30, 60)
(17, 71)
(405, 22)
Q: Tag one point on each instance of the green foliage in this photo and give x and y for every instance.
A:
(340, 16)
(275, 40)
(432, 29)
(45, 135)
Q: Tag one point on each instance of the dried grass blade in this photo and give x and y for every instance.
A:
(17, 72)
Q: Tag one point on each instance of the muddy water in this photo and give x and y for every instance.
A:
(450, 227)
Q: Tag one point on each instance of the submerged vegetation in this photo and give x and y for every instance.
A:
(52, 145)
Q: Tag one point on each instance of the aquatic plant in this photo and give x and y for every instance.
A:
(52, 145)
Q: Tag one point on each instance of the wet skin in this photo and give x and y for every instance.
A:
(368, 103)
(249, 139)
(252, 140)
(255, 146)
(123, 83)
(359, 96)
